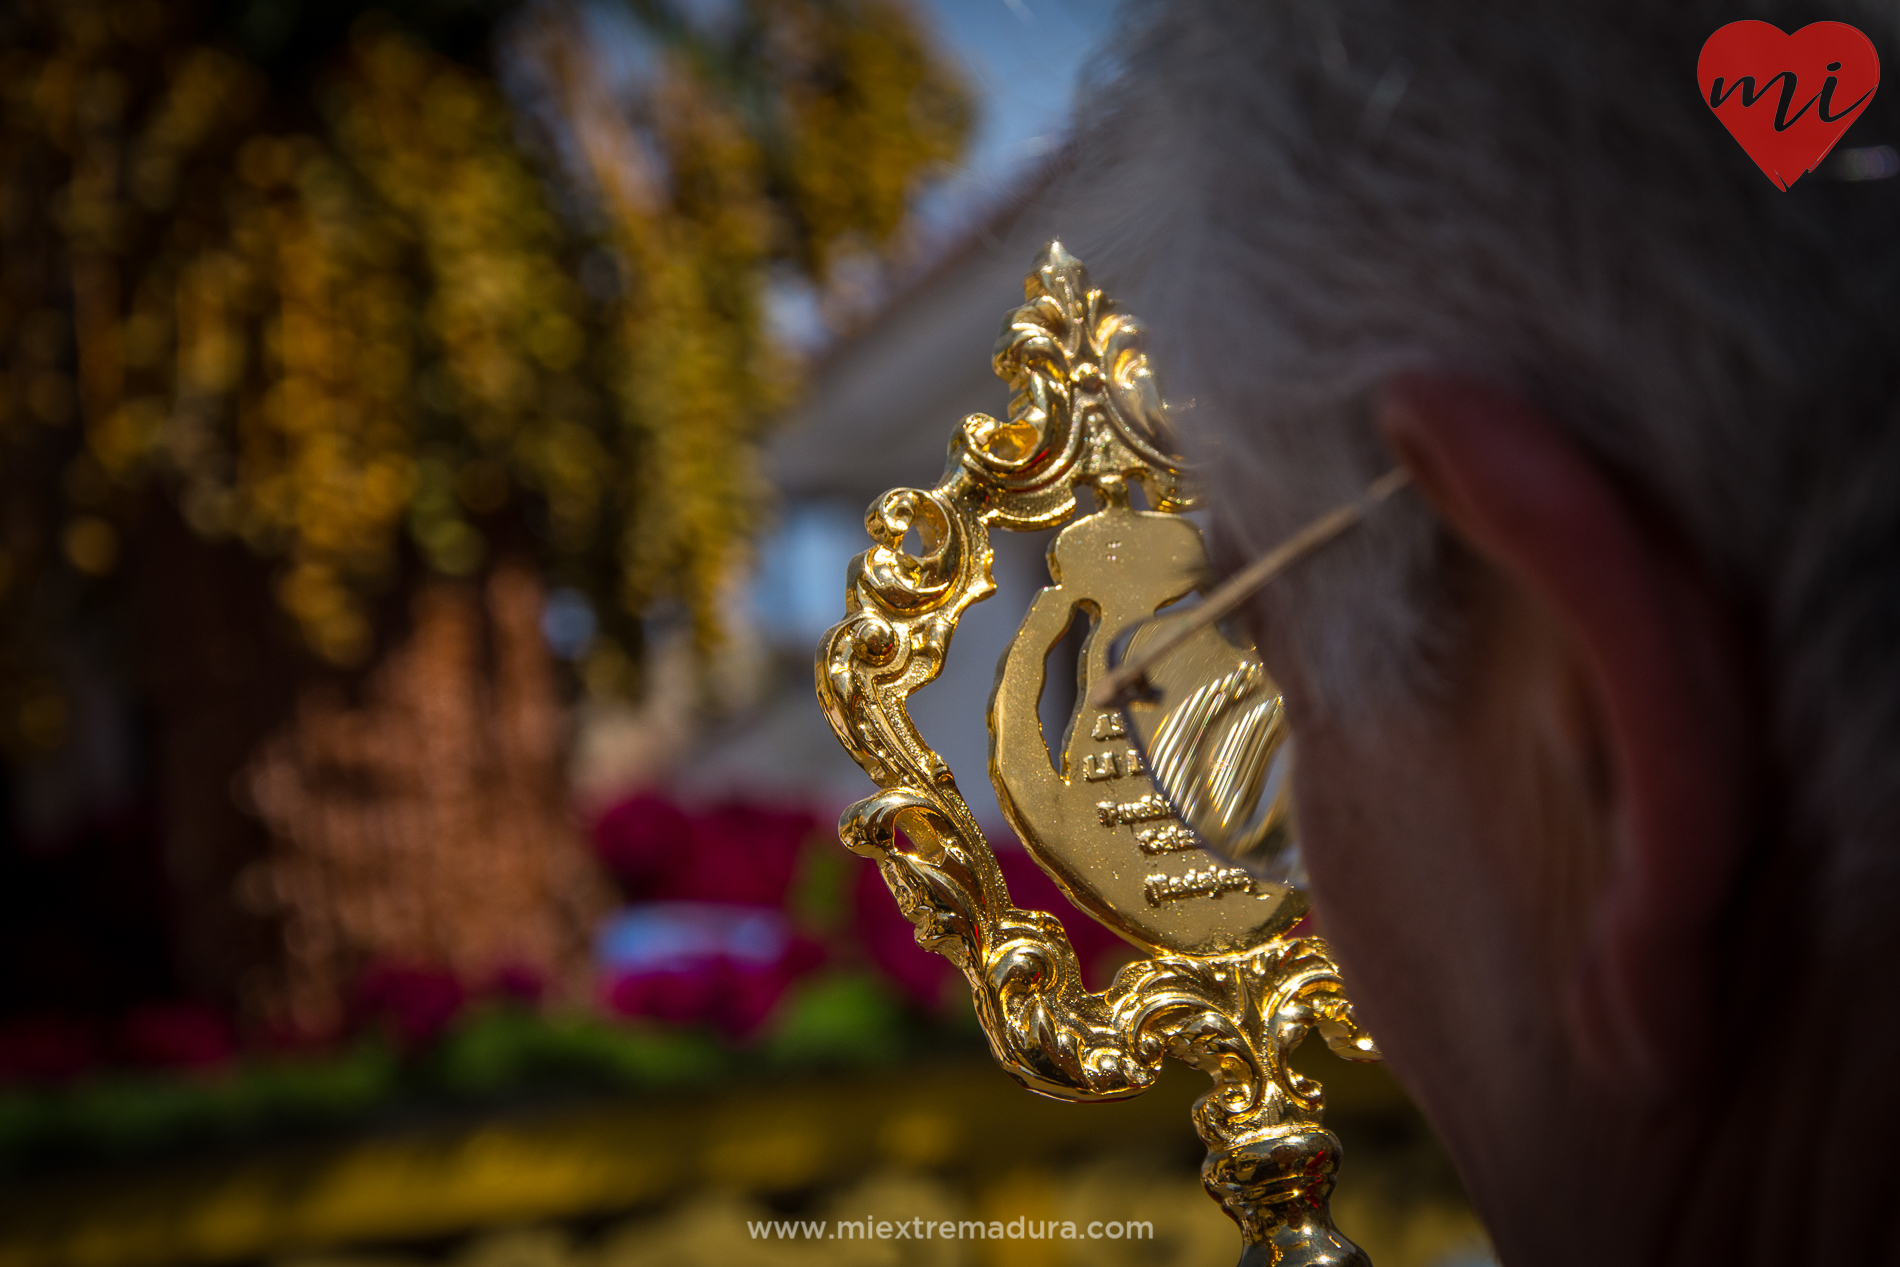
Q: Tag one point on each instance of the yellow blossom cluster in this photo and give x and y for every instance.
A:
(362, 326)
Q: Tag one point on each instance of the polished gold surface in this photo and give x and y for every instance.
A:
(1224, 988)
(1206, 718)
(1098, 825)
(1212, 731)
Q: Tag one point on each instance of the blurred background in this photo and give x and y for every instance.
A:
(431, 440)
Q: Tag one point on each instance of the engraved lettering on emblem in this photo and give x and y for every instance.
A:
(1122, 813)
(1173, 838)
(1108, 726)
(1209, 883)
(1097, 767)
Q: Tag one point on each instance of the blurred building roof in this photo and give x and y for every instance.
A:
(881, 406)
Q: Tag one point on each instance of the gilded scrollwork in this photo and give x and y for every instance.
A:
(901, 582)
(1083, 405)
(1084, 411)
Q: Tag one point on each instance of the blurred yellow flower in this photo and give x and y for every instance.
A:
(399, 314)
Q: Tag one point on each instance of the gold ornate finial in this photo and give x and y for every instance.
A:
(1224, 986)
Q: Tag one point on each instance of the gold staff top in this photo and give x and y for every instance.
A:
(1222, 984)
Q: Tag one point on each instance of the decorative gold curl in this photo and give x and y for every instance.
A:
(1083, 407)
(898, 579)
(1085, 410)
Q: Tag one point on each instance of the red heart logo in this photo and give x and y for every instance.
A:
(1787, 98)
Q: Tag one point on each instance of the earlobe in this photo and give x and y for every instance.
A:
(1508, 481)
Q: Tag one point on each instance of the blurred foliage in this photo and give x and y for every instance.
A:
(840, 1018)
(129, 1114)
(500, 1052)
(331, 291)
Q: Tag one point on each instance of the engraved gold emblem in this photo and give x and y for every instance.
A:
(1100, 826)
(1222, 984)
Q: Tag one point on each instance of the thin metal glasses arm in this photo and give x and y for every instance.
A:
(1130, 679)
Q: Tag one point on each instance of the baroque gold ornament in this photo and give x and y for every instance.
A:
(1223, 984)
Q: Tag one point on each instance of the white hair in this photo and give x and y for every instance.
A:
(1304, 197)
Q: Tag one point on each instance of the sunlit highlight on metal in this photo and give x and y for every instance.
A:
(1222, 984)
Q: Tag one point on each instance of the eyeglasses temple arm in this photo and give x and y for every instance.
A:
(1130, 679)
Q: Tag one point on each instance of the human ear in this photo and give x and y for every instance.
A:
(1669, 696)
